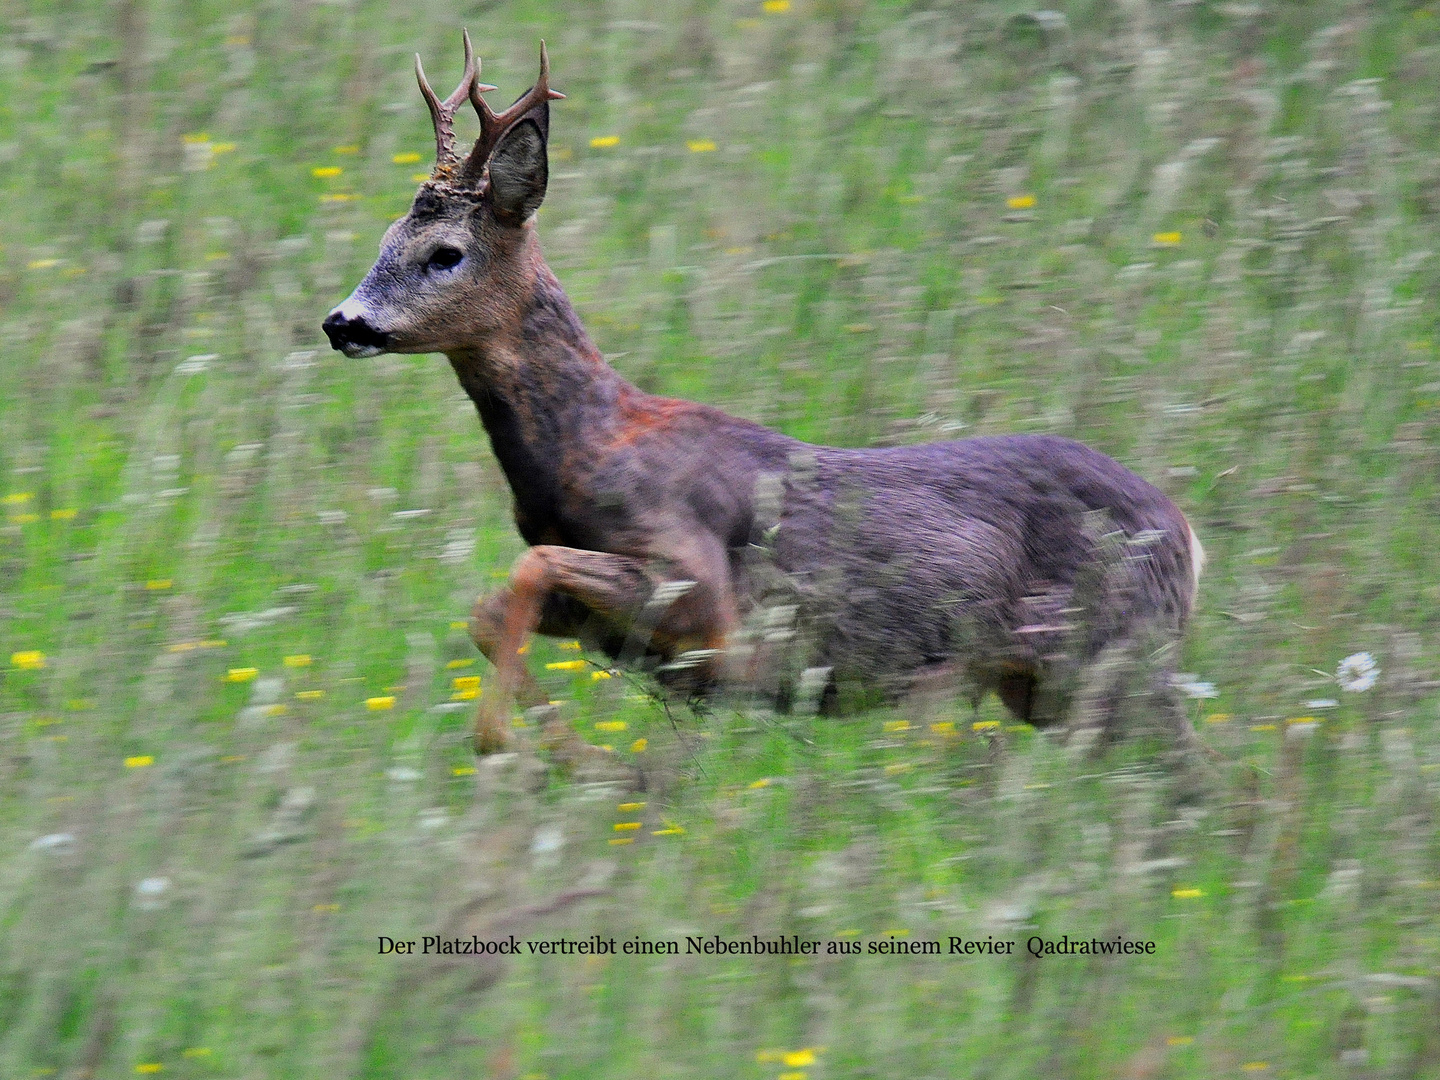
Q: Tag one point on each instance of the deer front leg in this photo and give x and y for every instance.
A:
(613, 587)
(487, 618)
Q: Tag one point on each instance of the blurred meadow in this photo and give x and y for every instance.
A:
(235, 684)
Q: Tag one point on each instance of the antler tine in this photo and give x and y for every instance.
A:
(442, 113)
(493, 126)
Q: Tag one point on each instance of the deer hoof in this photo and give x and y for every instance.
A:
(490, 735)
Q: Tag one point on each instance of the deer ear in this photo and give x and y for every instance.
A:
(519, 168)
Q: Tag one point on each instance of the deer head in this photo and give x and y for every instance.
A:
(451, 272)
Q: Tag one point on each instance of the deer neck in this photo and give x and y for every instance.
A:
(545, 395)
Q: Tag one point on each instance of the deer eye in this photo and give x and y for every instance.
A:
(443, 258)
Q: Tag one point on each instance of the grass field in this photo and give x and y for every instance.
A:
(235, 566)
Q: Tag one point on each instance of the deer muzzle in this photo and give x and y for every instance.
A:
(353, 335)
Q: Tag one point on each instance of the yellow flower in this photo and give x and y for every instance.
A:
(276, 710)
(985, 725)
(297, 660)
(1180, 1040)
(764, 781)
(310, 695)
(570, 646)
(1166, 239)
(463, 770)
(158, 584)
(619, 840)
(325, 907)
(466, 682)
(139, 761)
(465, 695)
(213, 643)
(28, 660)
(627, 826)
(1255, 1066)
(602, 142)
(567, 665)
(1218, 718)
(453, 664)
(196, 1052)
(63, 514)
(379, 704)
(195, 137)
(1187, 894)
(943, 727)
(459, 624)
(42, 264)
(149, 1067)
(420, 178)
(339, 197)
(799, 1074)
(1262, 727)
(325, 172)
(776, 7)
(630, 807)
(407, 158)
(18, 498)
(600, 676)
(611, 725)
(897, 725)
(223, 148)
(1020, 202)
(900, 767)
(639, 746)
(348, 149)
(669, 830)
(799, 1057)
(241, 674)
(24, 519)
(701, 146)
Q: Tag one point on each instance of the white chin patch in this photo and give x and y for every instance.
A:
(360, 352)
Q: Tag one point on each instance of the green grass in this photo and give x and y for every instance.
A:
(856, 262)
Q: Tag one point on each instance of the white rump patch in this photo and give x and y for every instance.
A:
(1197, 563)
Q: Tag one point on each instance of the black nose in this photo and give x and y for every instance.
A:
(352, 332)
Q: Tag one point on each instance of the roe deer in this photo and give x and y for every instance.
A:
(984, 556)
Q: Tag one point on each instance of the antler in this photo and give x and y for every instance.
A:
(442, 113)
(493, 127)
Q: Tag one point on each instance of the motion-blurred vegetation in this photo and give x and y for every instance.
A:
(233, 711)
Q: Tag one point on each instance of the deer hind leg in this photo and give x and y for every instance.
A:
(1123, 670)
(1032, 694)
(1016, 691)
(1105, 683)
(613, 588)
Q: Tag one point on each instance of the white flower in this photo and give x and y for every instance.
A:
(150, 893)
(1193, 687)
(58, 843)
(1357, 673)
